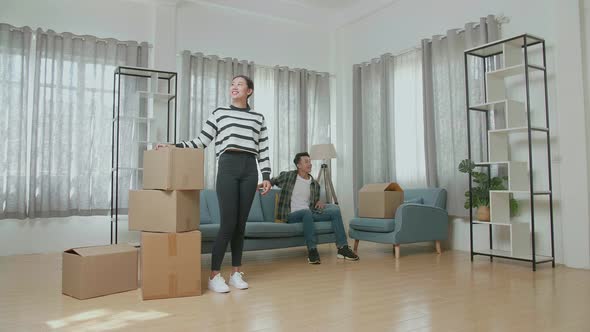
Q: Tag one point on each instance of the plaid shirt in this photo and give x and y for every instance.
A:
(286, 181)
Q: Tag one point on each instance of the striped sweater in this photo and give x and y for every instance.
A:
(237, 129)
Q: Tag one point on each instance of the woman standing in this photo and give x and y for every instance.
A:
(241, 140)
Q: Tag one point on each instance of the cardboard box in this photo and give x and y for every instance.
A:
(170, 265)
(173, 169)
(164, 211)
(380, 200)
(97, 271)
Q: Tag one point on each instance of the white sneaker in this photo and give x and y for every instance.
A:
(218, 285)
(237, 281)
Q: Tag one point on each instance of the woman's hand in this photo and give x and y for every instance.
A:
(161, 145)
(265, 186)
(320, 205)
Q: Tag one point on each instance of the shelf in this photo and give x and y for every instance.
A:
(510, 71)
(545, 192)
(514, 112)
(496, 88)
(509, 255)
(133, 118)
(499, 141)
(496, 47)
(489, 163)
(491, 223)
(489, 106)
(127, 169)
(519, 68)
(146, 142)
(144, 72)
(518, 178)
(517, 130)
(156, 95)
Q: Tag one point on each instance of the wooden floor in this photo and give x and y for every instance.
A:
(422, 291)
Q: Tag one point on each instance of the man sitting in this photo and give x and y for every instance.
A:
(299, 201)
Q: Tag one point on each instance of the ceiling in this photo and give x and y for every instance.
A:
(328, 13)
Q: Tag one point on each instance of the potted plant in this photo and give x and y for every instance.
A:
(480, 192)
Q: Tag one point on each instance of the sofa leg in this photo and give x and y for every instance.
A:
(438, 248)
(396, 250)
(356, 246)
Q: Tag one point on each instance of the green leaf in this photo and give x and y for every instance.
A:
(513, 207)
(466, 166)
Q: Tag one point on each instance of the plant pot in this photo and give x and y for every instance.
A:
(483, 213)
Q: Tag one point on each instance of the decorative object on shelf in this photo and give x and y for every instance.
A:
(325, 152)
(480, 194)
(483, 213)
(514, 93)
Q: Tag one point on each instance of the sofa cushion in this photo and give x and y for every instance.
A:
(209, 231)
(268, 230)
(205, 217)
(430, 196)
(256, 214)
(373, 225)
(268, 204)
(212, 205)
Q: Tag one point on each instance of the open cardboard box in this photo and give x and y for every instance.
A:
(96, 271)
(380, 200)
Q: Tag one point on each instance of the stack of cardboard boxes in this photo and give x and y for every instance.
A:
(166, 212)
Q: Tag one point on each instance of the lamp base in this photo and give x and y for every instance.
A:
(328, 186)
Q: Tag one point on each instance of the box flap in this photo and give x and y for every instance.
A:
(377, 187)
(102, 250)
(393, 186)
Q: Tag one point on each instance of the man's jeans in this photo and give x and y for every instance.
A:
(307, 217)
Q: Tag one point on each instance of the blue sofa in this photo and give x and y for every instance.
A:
(261, 230)
(423, 217)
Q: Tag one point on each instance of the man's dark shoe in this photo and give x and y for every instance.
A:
(346, 253)
(313, 257)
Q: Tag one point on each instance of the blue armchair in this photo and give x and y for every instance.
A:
(423, 217)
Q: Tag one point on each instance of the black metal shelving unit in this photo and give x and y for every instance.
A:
(121, 74)
(521, 45)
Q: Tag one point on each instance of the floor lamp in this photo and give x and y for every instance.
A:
(325, 152)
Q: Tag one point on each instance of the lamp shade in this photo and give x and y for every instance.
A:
(323, 151)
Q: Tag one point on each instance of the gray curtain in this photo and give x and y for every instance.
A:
(444, 107)
(204, 86)
(373, 106)
(301, 114)
(388, 121)
(71, 123)
(15, 47)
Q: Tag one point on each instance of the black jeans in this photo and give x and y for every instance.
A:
(237, 180)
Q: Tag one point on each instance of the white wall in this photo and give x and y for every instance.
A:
(124, 20)
(586, 63)
(264, 40)
(403, 24)
(170, 28)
